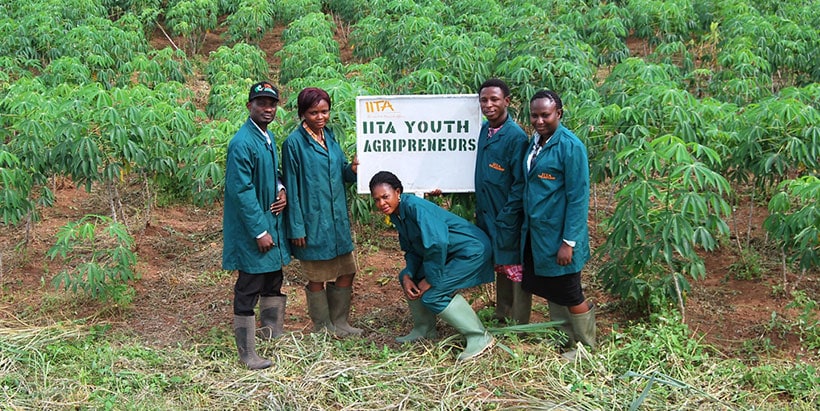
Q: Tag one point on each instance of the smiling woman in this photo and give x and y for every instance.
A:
(315, 171)
(444, 253)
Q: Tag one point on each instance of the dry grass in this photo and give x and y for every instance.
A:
(78, 366)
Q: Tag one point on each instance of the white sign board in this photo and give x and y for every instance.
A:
(427, 141)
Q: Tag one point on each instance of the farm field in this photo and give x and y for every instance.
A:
(702, 128)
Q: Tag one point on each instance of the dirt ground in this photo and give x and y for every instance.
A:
(183, 294)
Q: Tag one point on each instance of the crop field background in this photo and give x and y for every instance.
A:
(702, 126)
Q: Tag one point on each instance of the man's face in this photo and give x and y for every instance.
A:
(262, 110)
(493, 105)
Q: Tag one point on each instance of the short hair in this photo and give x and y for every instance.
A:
(494, 82)
(386, 177)
(309, 97)
(549, 95)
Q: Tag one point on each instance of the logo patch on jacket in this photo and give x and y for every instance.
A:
(496, 166)
(546, 176)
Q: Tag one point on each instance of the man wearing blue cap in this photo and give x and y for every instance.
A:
(254, 241)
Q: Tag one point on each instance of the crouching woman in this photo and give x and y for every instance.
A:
(443, 253)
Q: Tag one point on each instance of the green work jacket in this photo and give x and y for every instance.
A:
(251, 174)
(556, 203)
(317, 207)
(499, 185)
(447, 250)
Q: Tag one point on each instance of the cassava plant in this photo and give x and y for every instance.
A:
(670, 205)
(98, 259)
(794, 223)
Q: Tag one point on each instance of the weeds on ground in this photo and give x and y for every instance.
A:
(653, 365)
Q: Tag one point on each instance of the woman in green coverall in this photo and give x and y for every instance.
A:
(315, 171)
(555, 233)
(443, 253)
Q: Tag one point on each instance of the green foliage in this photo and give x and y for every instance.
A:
(193, 19)
(305, 54)
(749, 267)
(68, 70)
(604, 27)
(662, 21)
(349, 10)
(159, 66)
(231, 71)
(670, 204)
(16, 185)
(288, 11)
(798, 382)
(776, 138)
(662, 343)
(98, 255)
(794, 221)
(239, 62)
(250, 22)
(808, 321)
(317, 25)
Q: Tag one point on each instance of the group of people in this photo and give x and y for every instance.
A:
(530, 235)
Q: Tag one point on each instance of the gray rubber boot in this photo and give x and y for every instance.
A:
(461, 316)
(318, 310)
(424, 323)
(583, 325)
(503, 297)
(521, 304)
(338, 301)
(561, 313)
(272, 316)
(244, 331)
(511, 301)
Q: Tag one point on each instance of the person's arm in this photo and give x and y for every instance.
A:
(576, 183)
(290, 174)
(506, 242)
(281, 198)
(240, 188)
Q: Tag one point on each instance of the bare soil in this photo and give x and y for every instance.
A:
(183, 295)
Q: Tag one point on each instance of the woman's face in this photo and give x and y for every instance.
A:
(545, 116)
(386, 198)
(317, 116)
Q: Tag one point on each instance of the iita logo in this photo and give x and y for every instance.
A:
(377, 106)
(496, 166)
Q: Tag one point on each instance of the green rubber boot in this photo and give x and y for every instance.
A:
(424, 323)
(461, 316)
(511, 301)
(583, 325)
(338, 301)
(244, 328)
(561, 313)
(521, 304)
(272, 316)
(318, 311)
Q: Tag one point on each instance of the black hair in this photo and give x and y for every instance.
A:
(551, 96)
(386, 177)
(309, 97)
(494, 82)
